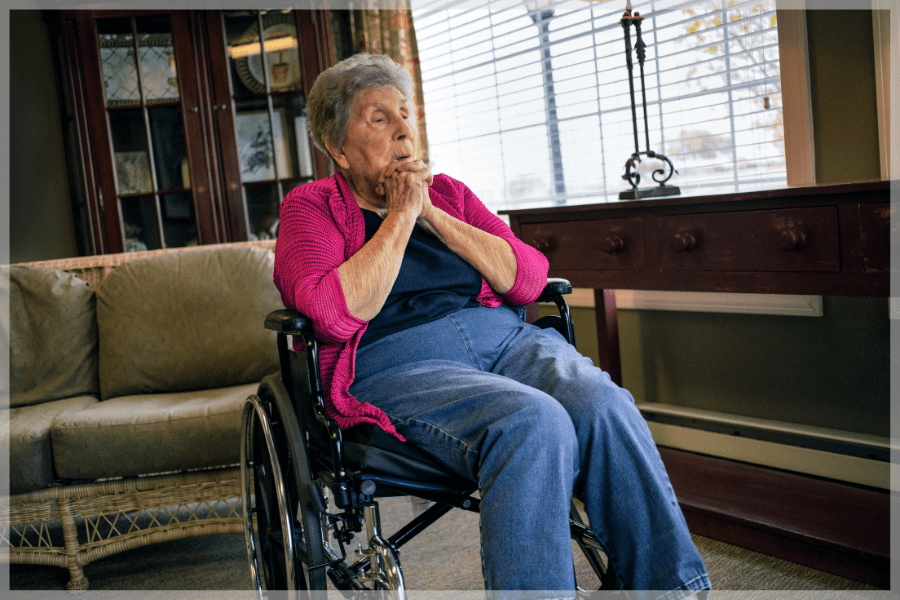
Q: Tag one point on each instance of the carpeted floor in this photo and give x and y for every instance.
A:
(447, 557)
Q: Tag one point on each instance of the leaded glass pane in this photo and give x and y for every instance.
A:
(120, 81)
(156, 57)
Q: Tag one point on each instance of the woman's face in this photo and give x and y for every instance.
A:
(381, 131)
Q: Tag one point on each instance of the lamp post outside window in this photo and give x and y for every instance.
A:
(541, 12)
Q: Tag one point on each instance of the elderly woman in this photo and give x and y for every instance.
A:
(414, 287)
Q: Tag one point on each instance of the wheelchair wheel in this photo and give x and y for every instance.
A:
(283, 530)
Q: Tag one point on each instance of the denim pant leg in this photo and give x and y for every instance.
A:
(627, 495)
(517, 443)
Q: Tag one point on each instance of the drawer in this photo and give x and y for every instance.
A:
(801, 239)
(606, 244)
(875, 236)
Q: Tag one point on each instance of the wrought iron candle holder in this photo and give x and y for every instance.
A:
(631, 175)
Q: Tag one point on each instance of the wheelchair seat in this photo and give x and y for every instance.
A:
(305, 482)
(373, 454)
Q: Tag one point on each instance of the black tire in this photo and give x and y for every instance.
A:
(280, 520)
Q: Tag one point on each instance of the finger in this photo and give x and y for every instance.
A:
(418, 167)
(409, 163)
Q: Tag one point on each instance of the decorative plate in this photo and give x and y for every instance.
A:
(284, 65)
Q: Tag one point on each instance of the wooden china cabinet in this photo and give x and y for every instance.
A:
(186, 127)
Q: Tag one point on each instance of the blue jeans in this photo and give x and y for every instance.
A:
(518, 410)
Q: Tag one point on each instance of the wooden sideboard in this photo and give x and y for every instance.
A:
(822, 240)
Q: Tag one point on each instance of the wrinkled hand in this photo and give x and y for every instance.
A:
(404, 184)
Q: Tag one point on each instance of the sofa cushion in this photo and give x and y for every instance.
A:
(30, 455)
(52, 336)
(151, 433)
(186, 321)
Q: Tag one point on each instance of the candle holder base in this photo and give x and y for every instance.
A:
(659, 191)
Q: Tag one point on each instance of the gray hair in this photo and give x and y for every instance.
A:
(331, 98)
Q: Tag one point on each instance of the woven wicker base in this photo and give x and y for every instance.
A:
(103, 518)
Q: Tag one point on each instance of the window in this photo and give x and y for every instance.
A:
(531, 107)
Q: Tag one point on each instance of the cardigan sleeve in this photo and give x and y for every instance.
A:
(531, 265)
(309, 250)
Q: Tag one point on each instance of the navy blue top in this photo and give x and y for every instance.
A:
(433, 282)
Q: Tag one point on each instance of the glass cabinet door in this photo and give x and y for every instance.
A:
(273, 152)
(191, 124)
(153, 193)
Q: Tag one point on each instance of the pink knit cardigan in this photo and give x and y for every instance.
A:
(320, 227)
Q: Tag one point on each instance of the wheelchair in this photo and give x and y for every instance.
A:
(305, 494)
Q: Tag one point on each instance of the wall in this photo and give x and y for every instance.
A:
(40, 221)
(842, 75)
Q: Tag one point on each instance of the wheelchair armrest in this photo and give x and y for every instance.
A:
(555, 287)
(553, 292)
(287, 321)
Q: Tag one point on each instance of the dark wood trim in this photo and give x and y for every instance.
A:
(233, 206)
(608, 334)
(188, 71)
(101, 142)
(829, 526)
(211, 157)
(119, 13)
(70, 76)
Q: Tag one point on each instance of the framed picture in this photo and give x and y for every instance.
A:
(262, 147)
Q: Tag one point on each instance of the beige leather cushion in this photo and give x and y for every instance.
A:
(186, 321)
(52, 336)
(30, 456)
(152, 433)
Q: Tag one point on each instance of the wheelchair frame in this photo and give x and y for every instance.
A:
(292, 454)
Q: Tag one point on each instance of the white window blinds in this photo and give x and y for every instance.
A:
(531, 107)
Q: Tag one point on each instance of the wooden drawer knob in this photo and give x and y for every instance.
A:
(612, 244)
(792, 239)
(684, 242)
(544, 246)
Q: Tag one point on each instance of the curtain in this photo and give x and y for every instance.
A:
(391, 32)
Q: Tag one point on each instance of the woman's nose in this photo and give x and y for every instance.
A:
(405, 129)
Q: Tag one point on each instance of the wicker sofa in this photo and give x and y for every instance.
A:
(127, 376)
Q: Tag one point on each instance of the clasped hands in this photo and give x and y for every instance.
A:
(404, 187)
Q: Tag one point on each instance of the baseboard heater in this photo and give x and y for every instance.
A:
(830, 453)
